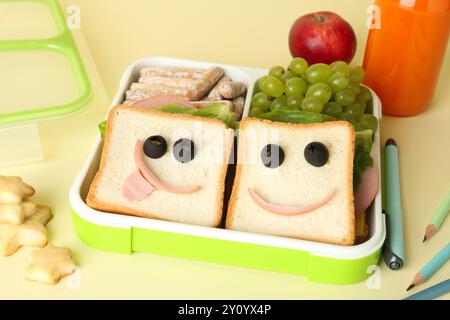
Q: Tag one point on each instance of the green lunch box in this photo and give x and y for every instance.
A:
(319, 262)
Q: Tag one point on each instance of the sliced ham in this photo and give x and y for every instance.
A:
(161, 101)
(367, 191)
(289, 211)
(136, 188)
(153, 179)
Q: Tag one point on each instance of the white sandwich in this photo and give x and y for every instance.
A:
(295, 180)
(163, 166)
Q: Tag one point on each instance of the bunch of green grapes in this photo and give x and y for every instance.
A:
(334, 90)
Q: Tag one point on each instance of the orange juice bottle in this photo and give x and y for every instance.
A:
(404, 55)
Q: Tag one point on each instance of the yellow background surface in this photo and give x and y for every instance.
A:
(252, 33)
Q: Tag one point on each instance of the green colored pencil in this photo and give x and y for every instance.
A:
(438, 218)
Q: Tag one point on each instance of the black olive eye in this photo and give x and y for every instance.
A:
(155, 147)
(316, 154)
(184, 150)
(272, 156)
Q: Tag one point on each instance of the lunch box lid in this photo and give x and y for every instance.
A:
(46, 73)
(42, 73)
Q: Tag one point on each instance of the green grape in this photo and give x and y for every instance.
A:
(364, 94)
(355, 87)
(295, 102)
(357, 74)
(360, 100)
(320, 90)
(357, 126)
(255, 111)
(335, 63)
(261, 81)
(312, 104)
(338, 82)
(278, 103)
(369, 121)
(287, 76)
(369, 107)
(333, 109)
(273, 87)
(296, 87)
(260, 100)
(356, 109)
(345, 97)
(340, 67)
(350, 118)
(298, 66)
(318, 72)
(277, 72)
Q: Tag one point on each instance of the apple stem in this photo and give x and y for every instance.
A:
(319, 19)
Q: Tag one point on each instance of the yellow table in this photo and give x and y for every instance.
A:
(251, 33)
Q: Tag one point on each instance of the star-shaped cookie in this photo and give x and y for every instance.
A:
(31, 233)
(17, 213)
(13, 190)
(49, 265)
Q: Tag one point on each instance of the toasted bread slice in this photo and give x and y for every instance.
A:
(205, 173)
(295, 199)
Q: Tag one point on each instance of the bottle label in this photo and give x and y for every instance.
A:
(408, 3)
(374, 19)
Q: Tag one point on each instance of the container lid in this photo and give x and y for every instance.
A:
(42, 74)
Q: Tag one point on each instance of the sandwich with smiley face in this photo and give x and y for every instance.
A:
(295, 180)
(163, 165)
(165, 159)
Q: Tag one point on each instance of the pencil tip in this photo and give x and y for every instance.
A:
(430, 231)
(410, 287)
(425, 239)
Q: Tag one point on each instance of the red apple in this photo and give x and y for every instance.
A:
(322, 37)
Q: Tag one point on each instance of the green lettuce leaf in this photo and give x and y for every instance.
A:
(215, 111)
(363, 161)
(176, 109)
(218, 111)
(102, 128)
(296, 116)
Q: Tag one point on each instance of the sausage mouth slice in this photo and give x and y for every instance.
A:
(153, 179)
(289, 211)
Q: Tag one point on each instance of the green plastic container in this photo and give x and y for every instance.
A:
(124, 234)
(60, 46)
(42, 75)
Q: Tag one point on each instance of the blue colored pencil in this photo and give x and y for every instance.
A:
(434, 265)
(433, 292)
